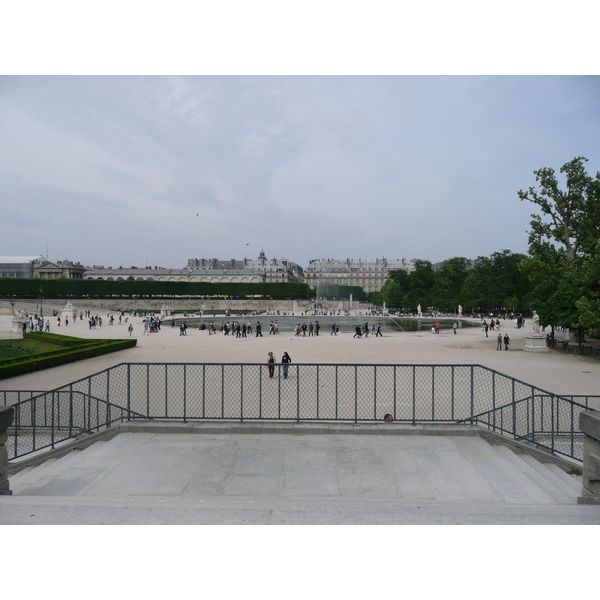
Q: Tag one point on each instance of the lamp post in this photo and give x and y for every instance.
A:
(41, 303)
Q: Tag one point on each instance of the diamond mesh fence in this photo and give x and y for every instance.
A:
(298, 392)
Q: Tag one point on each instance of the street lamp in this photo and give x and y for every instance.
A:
(41, 303)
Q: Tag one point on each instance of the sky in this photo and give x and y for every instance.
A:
(122, 170)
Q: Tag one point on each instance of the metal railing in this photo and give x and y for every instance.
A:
(8, 398)
(303, 392)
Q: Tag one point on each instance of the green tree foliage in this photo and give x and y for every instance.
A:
(563, 246)
(449, 280)
(570, 219)
(421, 280)
(487, 283)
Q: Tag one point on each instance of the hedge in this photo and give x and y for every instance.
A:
(14, 367)
(57, 339)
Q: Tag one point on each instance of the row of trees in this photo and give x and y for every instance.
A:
(487, 283)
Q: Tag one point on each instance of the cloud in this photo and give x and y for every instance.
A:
(305, 166)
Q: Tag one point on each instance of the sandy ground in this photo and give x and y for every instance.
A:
(553, 371)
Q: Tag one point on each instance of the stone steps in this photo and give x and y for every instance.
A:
(290, 478)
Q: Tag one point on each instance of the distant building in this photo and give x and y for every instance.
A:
(18, 266)
(39, 267)
(44, 269)
(212, 270)
(368, 274)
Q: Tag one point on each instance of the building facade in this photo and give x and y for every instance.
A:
(368, 274)
(211, 270)
(44, 269)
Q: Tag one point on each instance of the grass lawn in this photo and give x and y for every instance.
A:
(22, 348)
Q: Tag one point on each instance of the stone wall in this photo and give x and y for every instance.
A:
(191, 305)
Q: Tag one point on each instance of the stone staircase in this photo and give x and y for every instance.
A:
(174, 478)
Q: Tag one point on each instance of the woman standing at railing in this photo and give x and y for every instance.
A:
(271, 363)
(285, 360)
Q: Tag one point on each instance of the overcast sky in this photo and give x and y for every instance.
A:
(155, 170)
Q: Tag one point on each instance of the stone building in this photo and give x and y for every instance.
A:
(212, 270)
(44, 269)
(368, 274)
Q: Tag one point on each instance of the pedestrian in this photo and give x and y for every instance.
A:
(285, 360)
(486, 329)
(258, 329)
(455, 327)
(333, 330)
(506, 341)
(271, 363)
(130, 329)
(499, 342)
(378, 330)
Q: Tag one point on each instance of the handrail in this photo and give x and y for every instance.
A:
(306, 392)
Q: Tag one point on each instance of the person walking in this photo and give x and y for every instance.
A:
(333, 330)
(455, 327)
(258, 329)
(130, 329)
(378, 330)
(499, 342)
(285, 360)
(506, 341)
(271, 363)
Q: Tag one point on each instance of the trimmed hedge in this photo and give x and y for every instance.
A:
(57, 339)
(37, 362)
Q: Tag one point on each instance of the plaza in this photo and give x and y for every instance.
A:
(199, 472)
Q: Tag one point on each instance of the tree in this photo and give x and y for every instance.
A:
(448, 282)
(571, 217)
(563, 247)
(421, 281)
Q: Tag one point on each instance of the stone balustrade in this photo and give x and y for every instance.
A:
(7, 414)
(589, 424)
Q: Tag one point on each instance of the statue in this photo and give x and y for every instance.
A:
(459, 310)
(419, 313)
(535, 323)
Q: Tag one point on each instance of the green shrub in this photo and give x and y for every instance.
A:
(29, 364)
